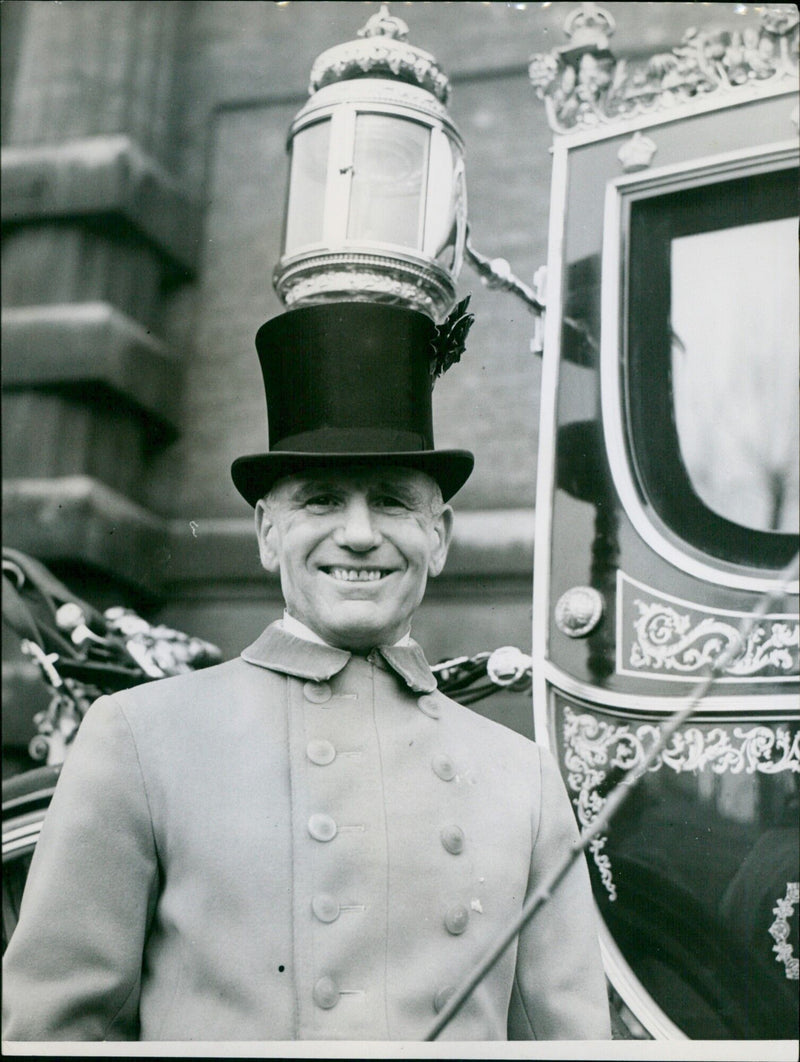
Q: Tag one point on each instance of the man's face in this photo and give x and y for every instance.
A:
(354, 549)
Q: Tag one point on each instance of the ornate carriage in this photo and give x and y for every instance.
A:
(667, 505)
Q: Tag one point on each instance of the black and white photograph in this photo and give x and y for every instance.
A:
(401, 448)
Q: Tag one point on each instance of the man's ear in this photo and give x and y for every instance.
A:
(443, 531)
(266, 533)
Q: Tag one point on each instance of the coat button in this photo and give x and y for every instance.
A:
(453, 839)
(325, 993)
(428, 704)
(322, 827)
(321, 752)
(325, 907)
(442, 996)
(317, 692)
(456, 919)
(444, 767)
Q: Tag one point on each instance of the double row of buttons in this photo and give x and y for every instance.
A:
(326, 994)
(323, 828)
(321, 692)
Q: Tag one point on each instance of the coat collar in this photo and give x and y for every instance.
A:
(278, 650)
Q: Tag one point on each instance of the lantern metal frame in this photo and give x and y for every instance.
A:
(381, 74)
(339, 266)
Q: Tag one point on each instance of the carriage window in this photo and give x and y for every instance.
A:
(712, 360)
(735, 341)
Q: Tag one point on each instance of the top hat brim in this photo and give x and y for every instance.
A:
(255, 474)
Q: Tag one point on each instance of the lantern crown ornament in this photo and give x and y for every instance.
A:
(382, 50)
(377, 206)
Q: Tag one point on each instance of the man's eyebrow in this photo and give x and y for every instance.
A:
(306, 488)
(405, 491)
(393, 486)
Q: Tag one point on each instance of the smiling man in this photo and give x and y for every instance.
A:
(354, 551)
(310, 841)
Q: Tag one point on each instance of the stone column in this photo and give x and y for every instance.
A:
(96, 229)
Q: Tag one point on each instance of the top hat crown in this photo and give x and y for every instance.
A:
(350, 384)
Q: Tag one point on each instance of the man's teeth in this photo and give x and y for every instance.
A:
(356, 575)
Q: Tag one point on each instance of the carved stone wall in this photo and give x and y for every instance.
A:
(96, 230)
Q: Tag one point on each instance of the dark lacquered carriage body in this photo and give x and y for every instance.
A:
(666, 508)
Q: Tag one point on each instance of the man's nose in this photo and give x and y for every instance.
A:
(357, 531)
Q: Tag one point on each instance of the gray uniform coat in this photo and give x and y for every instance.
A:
(300, 844)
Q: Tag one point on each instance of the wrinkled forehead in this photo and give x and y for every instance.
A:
(416, 486)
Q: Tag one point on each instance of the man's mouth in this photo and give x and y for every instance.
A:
(357, 575)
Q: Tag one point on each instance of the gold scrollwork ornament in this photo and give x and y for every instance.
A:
(779, 931)
(593, 747)
(668, 640)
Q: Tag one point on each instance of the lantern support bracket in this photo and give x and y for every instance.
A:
(496, 274)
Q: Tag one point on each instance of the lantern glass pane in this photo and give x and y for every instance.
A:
(387, 193)
(447, 203)
(307, 181)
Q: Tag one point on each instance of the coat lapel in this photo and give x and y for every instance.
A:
(278, 650)
(410, 664)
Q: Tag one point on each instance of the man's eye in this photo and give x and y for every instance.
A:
(320, 501)
(389, 501)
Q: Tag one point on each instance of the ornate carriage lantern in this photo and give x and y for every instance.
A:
(376, 205)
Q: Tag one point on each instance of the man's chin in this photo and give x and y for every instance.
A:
(358, 632)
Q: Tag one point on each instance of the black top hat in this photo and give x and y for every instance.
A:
(350, 384)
